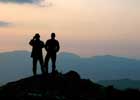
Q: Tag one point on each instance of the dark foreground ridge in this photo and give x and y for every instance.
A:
(67, 86)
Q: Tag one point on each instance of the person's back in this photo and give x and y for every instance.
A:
(37, 48)
(52, 47)
(36, 54)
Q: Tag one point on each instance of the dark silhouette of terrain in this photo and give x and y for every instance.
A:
(68, 86)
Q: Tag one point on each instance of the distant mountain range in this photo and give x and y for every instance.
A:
(18, 64)
(121, 84)
(14, 65)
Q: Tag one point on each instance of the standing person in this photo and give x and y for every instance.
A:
(36, 54)
(52, 47)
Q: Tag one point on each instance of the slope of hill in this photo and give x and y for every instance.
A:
(67, 86)
(57, 85)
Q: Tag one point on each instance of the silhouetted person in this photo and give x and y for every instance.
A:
(36, 54)
(52, 47)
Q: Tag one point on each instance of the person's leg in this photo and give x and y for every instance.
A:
(42, 65)
(34, 65)
(46, 63)
(53, 58)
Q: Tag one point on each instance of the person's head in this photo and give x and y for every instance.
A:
(37, 36)
(53, 35)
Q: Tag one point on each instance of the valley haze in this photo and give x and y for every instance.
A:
(18, 64)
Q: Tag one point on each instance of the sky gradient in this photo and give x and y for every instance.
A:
(85, 27)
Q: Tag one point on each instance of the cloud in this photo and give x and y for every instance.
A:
(22, 1)
(4, 24)
(41, 3)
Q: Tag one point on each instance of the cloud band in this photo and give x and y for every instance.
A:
(22, 1)
(4, 24)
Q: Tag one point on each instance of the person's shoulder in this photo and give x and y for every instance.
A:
(56, 40)
(48, 40)
(41, 41)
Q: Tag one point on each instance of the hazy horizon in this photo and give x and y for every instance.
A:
(71, 53)
(84, 27)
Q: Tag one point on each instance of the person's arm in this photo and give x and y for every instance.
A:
(42, 44)
(58, 47)
(32, 42)
(46, 46)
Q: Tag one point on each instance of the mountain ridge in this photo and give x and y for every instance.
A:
(121, 83)
(71, 54)
(18, 64)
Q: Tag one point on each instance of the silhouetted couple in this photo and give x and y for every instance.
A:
(51, 46)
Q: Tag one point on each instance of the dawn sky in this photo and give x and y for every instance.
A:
(84, 27)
